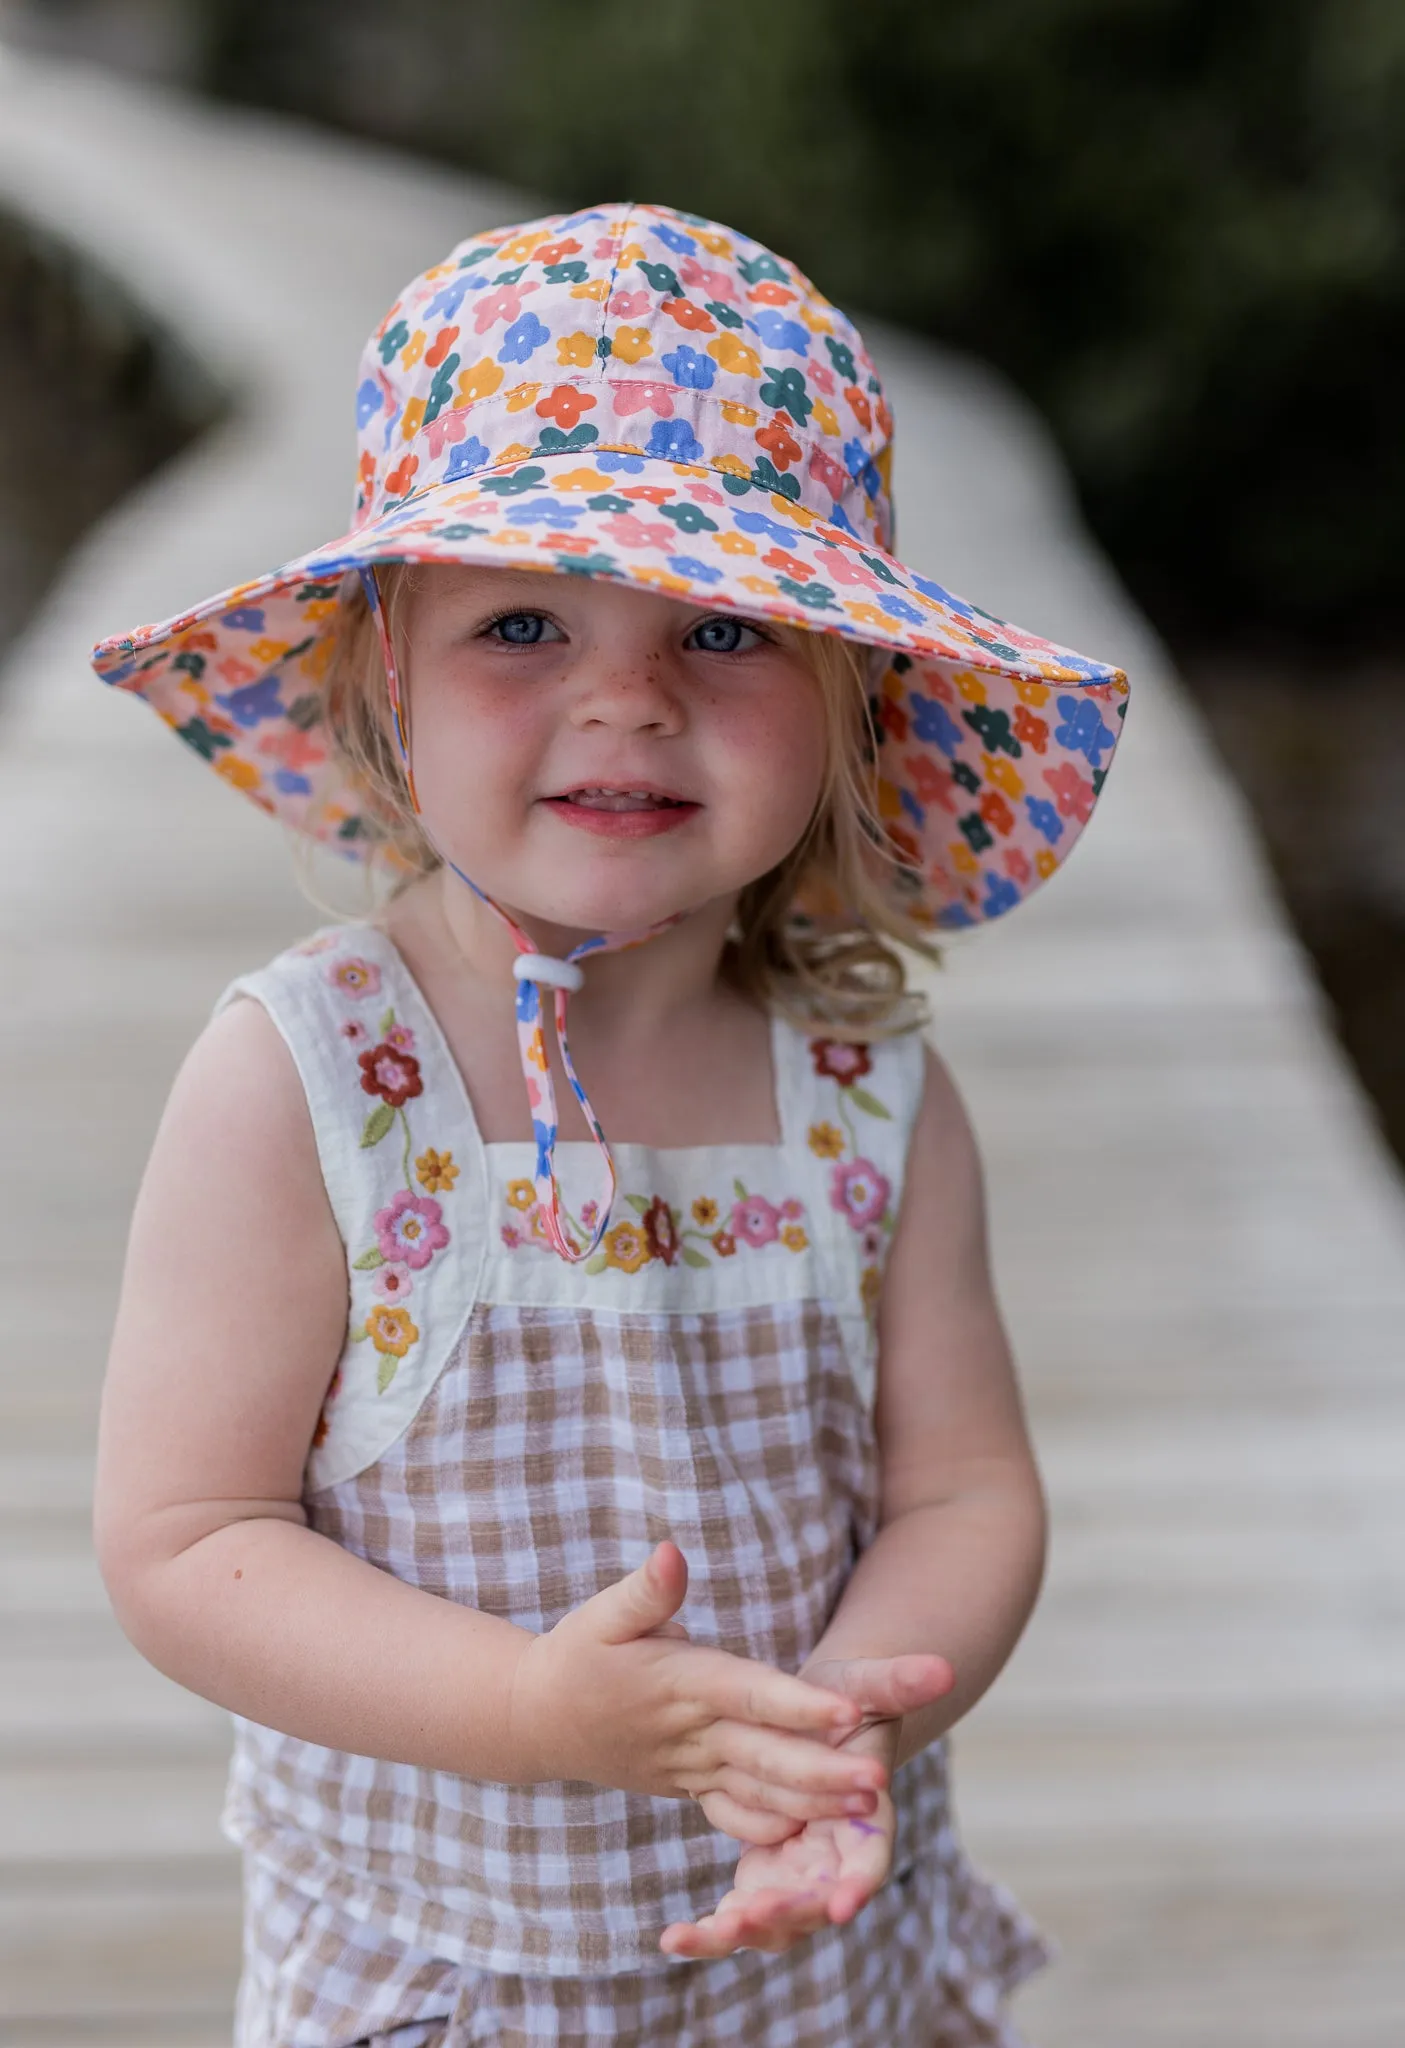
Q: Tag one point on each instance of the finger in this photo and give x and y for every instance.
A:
(893, 1685)
(747, 1790)
(748, 1691)
(778, 1759)
(706, 1939)
(746, 1823)
(674, 1630)
(642, 1602)
(846, 1897)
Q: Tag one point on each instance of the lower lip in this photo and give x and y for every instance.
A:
(622, 824)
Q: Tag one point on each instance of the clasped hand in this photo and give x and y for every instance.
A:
(795, 1767)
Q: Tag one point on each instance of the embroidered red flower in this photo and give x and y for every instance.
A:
(724, 1244)
(832, 1057)
(391, 1074)
(661, 1230)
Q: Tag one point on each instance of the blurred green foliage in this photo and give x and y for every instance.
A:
(1176, 224)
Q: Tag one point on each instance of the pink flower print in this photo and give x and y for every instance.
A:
(409, 1230)
(931, 784)
(755, 1220)
(1072, 792)
(638, 394)
(717, 283)
(590, 1214)
(859, 1192)
(633, 532)
(503, 304)
(355, 1032)
(393, 1282)
(401, 1037)
(293, 749)
(830, 473)
(511, 1236)
(838, 563)
(820, 377)
(792, 1210)
(354, 976)
(704, 494)
(626, 304)
(1017, 865)
(444, 428)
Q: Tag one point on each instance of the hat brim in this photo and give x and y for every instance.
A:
(993, 742)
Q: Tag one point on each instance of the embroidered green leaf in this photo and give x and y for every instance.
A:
(739, 1190)
(387, 1022)
(597, 1264)
(692, 1258)
(377, 1124)
(637, 1204)
(387, 1365)
(869, 1103)
(357, 1333)
(368, 1261)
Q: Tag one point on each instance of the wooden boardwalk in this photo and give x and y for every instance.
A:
(1194, 1770)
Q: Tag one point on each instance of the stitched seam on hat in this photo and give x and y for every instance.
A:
(600, 361)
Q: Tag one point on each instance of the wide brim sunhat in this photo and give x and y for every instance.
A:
(634, 393)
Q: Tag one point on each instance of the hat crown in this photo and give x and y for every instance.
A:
(591, 342)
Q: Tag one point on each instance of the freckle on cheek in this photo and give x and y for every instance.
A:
(239, 1575)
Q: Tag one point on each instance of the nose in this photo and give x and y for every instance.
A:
(629, 693)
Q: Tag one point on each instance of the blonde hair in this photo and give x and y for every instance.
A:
(815, 938)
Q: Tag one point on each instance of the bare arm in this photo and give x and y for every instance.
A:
(231, 1320)
(955, 1567)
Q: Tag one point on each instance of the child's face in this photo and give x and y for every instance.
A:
(598, 757)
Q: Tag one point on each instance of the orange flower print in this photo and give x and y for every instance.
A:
(704, 1212)
(436, 1171)
(688, 315)
(826, 1140)
(391, 1330)
(520, 1194)
(1032, 731)
(401, 477)
(565, 404)
(859, 405)
(626, 1248)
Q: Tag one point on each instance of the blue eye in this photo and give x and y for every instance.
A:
(520, 629)
(721, 635)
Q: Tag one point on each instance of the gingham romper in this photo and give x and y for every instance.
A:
(516, 1433)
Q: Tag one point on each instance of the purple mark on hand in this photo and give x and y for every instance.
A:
(865, 1827)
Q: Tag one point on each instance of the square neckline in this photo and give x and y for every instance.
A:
(777, 1036)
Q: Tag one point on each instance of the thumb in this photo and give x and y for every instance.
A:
(640, 1603)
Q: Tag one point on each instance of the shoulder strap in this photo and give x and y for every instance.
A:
(848, 1111)
(405, 1174)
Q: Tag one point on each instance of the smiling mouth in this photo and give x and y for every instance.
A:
(599, 798)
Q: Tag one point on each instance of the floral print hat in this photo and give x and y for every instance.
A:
(640, 394)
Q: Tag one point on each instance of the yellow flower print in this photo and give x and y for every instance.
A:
(815, 320)
(1046, 860)
(890, 804)
(630, 253)
(577, 349)
(520, 1194)
(413, 349)
(704, 1212)
(521, 396)
(626, 1247)
(793, 1237)
(266, 652)
(826, 1140)
(593, 288)
(962, 858)
(1004, 774)
(242, 774)
(661, 579)
(736, 355)
(632, 344)
(436, 1171)
(412, 419)
(390, 1329)
(864, 614)
(714, 243)
(739, 415)
(480, 381)
(970, 685)
(522, 246)
(580, 480)
(1031, 693)
(737, 544)
(826, 418)
(764, 586)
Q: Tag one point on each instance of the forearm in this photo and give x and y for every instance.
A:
(957, 1579)
(275, 1622)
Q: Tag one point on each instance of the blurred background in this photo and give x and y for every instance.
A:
(1178, 226)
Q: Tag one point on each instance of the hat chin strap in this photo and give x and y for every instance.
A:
(533, 972)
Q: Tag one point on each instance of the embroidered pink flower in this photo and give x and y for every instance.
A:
(839, 1061)
(393, 1282)
(409, 1230)
(355, 1032)
(859, 1192)
(394, 1076)
(590, 1214)
(355, 976)
(401, 1037)
(755, 1221)
(792, 1210)
(511, 1236)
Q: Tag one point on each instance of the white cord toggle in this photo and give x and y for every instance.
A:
(553, 973)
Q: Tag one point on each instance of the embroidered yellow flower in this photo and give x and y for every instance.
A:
(826, 1140)
(626, 1247)
(793, 1237)
(520, 1194)
(436, 1171)
(391, 1330)
(704, 1212)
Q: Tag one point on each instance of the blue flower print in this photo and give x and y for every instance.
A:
(675, 440)
(369, 401)
(955, 918)
(673, 238)
(447, 300)
(663, 277)
(931, 723)
(547, 512)
(470, 455)
(693, 371)
(689, 565)
(899, 608)
(613, 464)
(912, 807)
(1000, 895)
(758, 522)
(523, 339)
(842, 357)
(1045, 819)
(862, 468)
(930, 589)
(1083, 731)
(778, 332)
(253, 703)
(545, 1136)
(246, 618)
(839, 517)
(291, 784)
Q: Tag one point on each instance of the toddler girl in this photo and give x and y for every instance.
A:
(595, 1543)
